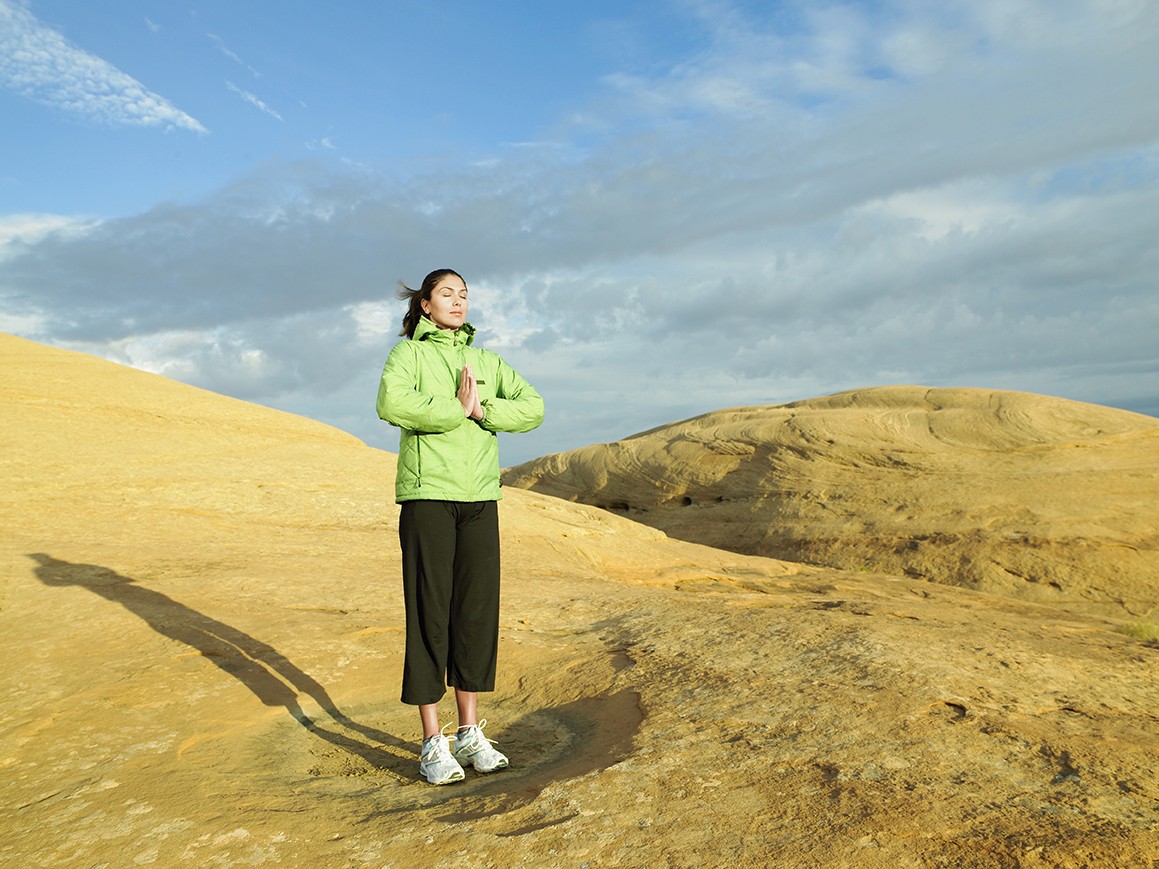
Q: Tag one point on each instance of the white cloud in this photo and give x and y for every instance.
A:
(963, 207)
(253, 100)
(41, 65)
(21, 229)
(224, 49)
(325, 143)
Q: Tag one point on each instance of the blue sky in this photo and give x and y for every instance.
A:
(661, 208)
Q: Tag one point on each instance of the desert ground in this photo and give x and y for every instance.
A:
(201, 636)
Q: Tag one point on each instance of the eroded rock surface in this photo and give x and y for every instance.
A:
(201, 636)
(1039, 498)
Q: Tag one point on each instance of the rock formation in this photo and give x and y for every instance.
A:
(1039, 498)
(201, 635)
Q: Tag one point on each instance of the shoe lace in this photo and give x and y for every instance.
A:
(479, 727)
(439, 747)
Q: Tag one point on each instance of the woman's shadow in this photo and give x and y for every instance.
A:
(273, 678)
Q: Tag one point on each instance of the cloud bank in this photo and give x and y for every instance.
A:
(821, 199)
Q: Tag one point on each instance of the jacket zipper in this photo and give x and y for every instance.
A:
(418, 461)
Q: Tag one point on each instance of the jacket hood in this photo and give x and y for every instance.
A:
(425, 330)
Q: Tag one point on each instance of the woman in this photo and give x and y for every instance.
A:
(449, 399)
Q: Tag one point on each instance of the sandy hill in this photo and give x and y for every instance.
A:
(1038, 498)
(201, 638)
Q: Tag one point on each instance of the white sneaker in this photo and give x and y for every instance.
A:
(472, 747)
(436, 764)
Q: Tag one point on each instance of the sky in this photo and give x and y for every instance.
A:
(661, 208)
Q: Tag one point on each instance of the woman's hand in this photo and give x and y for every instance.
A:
(469, 394)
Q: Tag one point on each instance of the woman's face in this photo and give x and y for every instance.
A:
(447, 306)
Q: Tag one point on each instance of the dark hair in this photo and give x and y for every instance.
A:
(416, 298)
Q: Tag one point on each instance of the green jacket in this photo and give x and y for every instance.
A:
(443, 455)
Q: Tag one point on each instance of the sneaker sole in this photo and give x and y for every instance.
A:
(450, 780)
(478, 768)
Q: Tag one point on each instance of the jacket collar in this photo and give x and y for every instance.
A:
(425, 330)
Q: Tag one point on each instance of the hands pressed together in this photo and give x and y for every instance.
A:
(469, 394)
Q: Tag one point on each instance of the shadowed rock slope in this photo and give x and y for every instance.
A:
(201, 637)
(1038, 498)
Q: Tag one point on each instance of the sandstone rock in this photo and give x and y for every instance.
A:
(201, 634)
(1039, 498)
